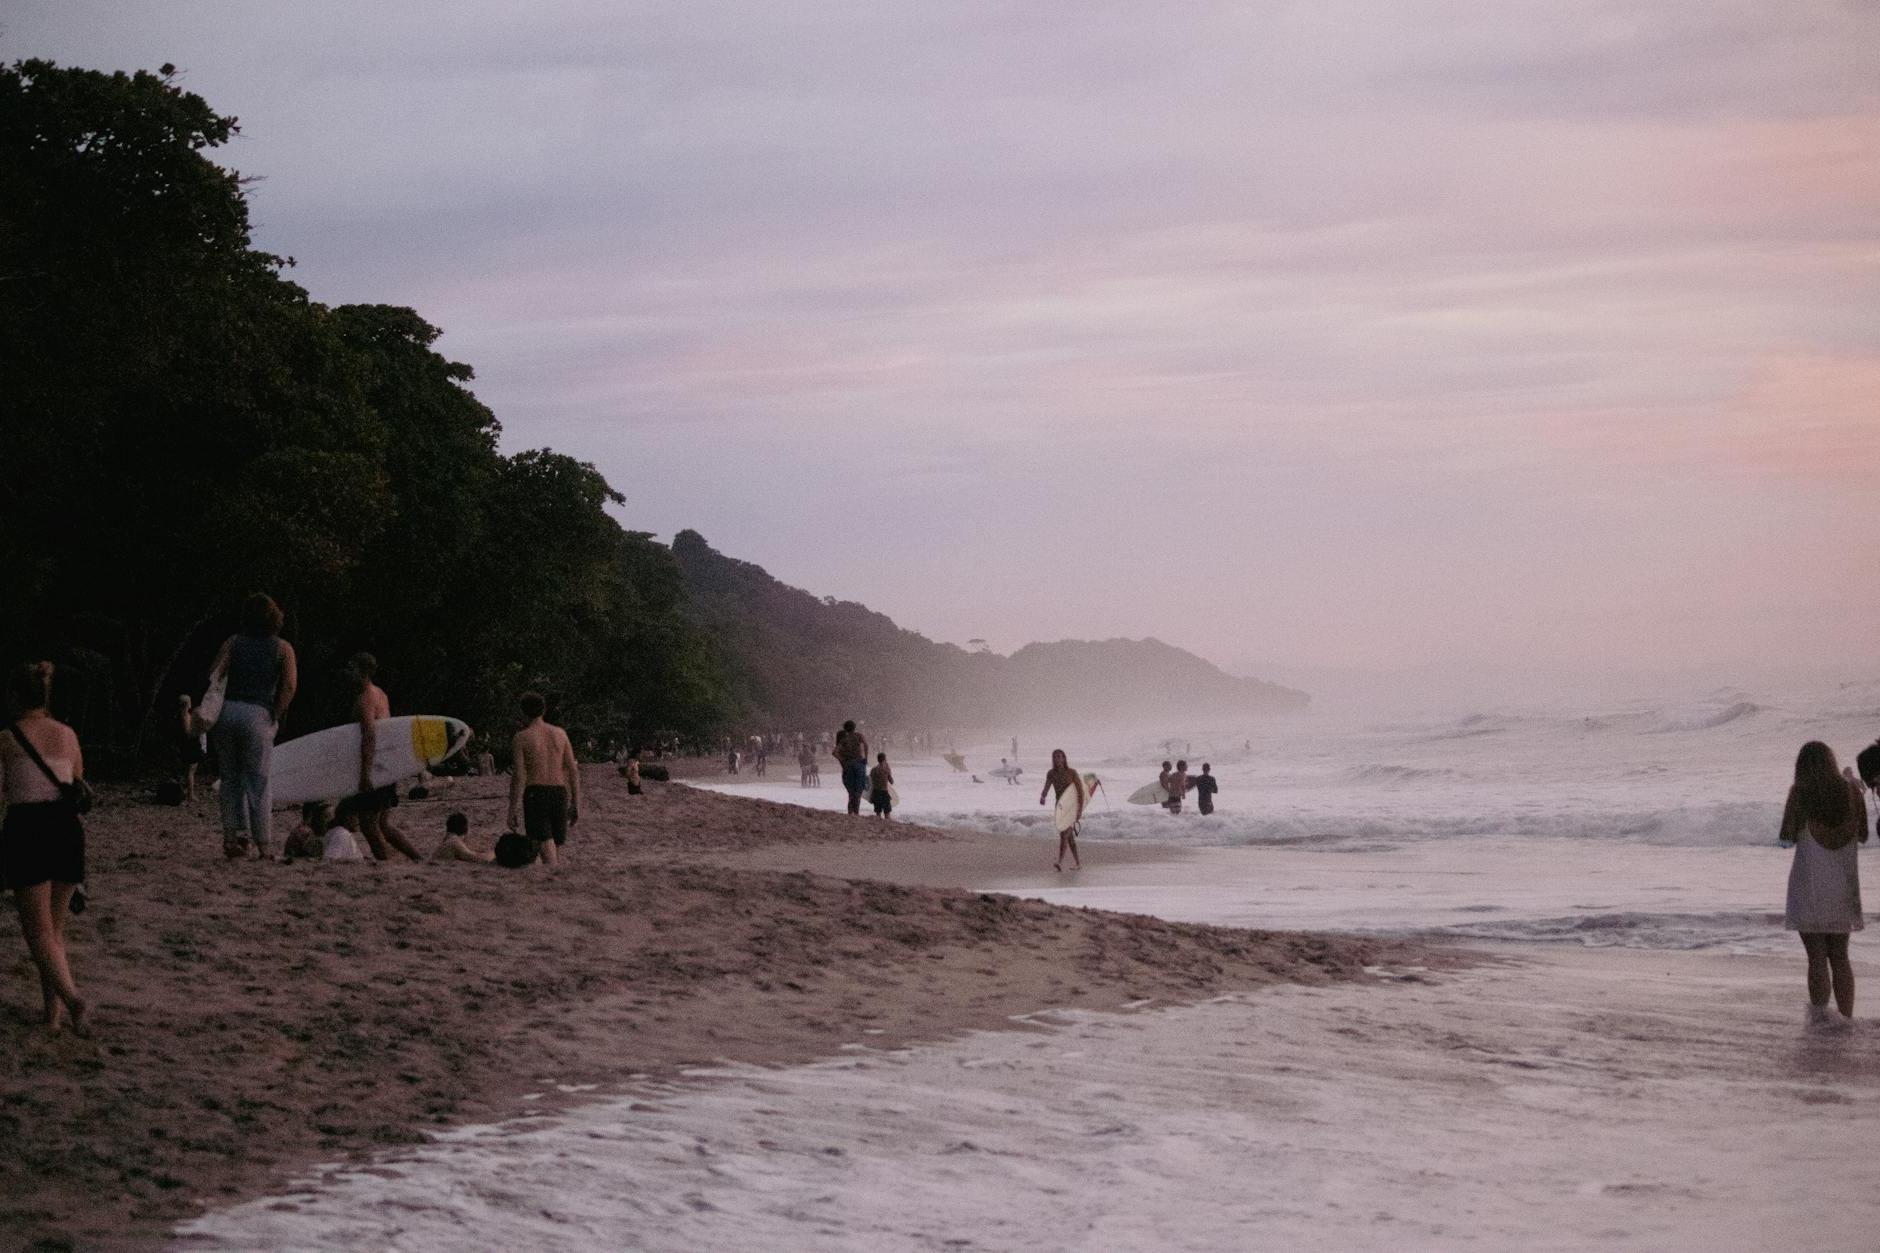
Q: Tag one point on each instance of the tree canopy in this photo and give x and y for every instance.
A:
(184, 425)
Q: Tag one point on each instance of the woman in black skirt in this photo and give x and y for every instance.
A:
(42, 840)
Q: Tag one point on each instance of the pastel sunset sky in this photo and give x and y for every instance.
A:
(1351, 333)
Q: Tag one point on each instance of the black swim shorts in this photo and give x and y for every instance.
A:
(41, 842)
(545, 813)
(377, 801)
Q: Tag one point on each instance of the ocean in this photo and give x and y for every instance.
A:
(1597, 1091)
(1647, 823)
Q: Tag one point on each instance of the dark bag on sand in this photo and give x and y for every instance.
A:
(77, 793)
(514, 851)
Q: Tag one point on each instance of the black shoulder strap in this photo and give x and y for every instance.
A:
(19, 737)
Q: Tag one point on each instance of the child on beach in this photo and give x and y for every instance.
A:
(878, 780)
(455, 847)
(1825, 818)
(308, 838)
(633, 775)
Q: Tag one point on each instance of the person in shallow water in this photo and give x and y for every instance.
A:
(1825, 818)
(1060, 777)
(1204, 786)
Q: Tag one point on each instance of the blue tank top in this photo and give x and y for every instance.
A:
(254, 669)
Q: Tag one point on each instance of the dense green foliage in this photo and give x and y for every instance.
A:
(183, 425)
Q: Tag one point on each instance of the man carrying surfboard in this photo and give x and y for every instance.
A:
(373, 805)
(544, 785)
(1063, 778)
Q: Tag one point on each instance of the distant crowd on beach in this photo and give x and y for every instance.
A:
(255, 678)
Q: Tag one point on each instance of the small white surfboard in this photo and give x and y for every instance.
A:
(324, 766)
(1149, 794)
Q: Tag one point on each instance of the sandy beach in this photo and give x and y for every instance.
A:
(256, 1019)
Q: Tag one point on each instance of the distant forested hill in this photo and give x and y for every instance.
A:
(797, 661)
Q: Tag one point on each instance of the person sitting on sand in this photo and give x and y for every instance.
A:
(1205, 786)
(1060, 777)
(455, 846)
(308, 838)
(341, 839)
(42, 839)
(1825, 817)
(879, 780)
(373, 805)
(544, 783)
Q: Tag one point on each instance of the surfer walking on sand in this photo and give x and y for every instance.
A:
(1061, 777)
(544, 785)
(373, 805)
(852, 751)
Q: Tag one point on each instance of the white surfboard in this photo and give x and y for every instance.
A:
(1149, 794)
(1007, 772)
(1075, 801)
(894, 797)
(324, 766)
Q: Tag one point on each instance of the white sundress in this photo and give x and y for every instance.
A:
(1824, 884)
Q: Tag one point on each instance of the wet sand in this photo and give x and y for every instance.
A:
(254, 1019)
(1547, 1099)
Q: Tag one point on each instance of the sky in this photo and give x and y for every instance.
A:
(1540, 336)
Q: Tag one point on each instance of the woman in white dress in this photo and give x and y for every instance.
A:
(1826, 818)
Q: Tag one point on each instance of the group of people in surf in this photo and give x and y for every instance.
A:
(1176, 783)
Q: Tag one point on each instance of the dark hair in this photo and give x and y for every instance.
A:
(1867, 764)
(1168, 765)
(514, 851)
(1182, 764)
(457, 824)
(31, 685)
(365, 665)
(849, 725)
(533, 705)
(1205, 767)
(881, 757)
(1819, 785)
(317, 816)
(261, 616)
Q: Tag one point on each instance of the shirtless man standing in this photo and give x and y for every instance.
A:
(373, 806)
(544, 786)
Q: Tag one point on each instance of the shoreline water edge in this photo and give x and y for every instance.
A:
(258, 1019)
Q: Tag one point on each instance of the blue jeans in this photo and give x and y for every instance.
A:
(855, 779)
(244, 748)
